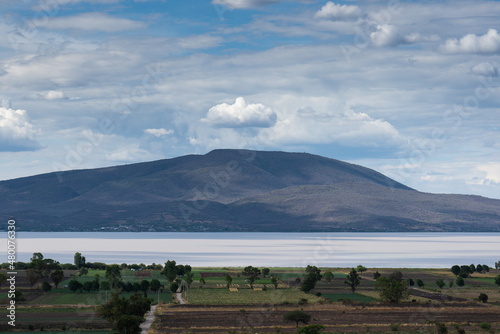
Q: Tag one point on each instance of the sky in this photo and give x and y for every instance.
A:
(408, 88)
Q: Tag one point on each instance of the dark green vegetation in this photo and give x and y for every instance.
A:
(222, 300)
(231, 190)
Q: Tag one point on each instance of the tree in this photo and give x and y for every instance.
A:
(32, 276)
(57, 277)
(497, 280)
(460, 281)
(455, 270)
(483, 297)
(125, 314)
(46, 286)
(136, 287)
(170, 271)
(105, 286)
(265, 271)
(353, 280)
(130, 324)
(174, 286)
(392, 290)
(297, 316)
(479, 268)
(252, 274)
(79, 260)
(361, 269)
(465, 271)
(155, 285)
(410, 282)
(189, 278)
(328, 276)
(74, 285)
(486, 268)
(95, 285)
(420, 283)
(202, 280)
(87, 286)
(472, 268)
(113, 274)
(274, 281)
(84, 271)
(376, 275)
(3, 278)
(229, 280)
(145, 287)
(312, 277)
(440, 283)
(450, 284)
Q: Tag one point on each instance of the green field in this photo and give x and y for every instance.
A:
(247, 296)
(350, 296)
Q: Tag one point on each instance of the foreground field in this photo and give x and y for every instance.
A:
(213, 308)
(335, 317)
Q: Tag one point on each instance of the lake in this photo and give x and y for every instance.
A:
(410, 250)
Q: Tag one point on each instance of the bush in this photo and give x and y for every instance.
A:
(420, 283)
(441, 328)
(394, 327)
(485, 326)
(312, 329)
(318, 294)
(483, 297)
(460, 281)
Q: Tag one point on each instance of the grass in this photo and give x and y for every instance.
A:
(247, 296)
(351, 296)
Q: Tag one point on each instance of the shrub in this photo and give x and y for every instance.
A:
(394, 327)
(297, 316)
(485, 326)
(420, 283)
(318, 294)
(312, 329)
(441, 328)
(483, 297)
(460, 281)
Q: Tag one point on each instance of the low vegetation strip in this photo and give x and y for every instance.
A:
(247, 296)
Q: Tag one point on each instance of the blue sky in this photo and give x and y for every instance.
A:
(409, 88)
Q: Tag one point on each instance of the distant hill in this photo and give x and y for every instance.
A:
(237, 190)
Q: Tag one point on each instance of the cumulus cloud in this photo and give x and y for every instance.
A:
(159, 132)
(16, 131)
(243, 4)
(240, 115)
(470, 43)
(333, 11)
(485, 69)
(492, 171)
(94, 22)
(388, 35)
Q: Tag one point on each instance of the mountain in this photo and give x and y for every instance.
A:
(237, 190)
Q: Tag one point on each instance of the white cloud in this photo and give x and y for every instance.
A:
(240, 114)
(159, 132)
(335, 11)
(51, 95)
(94, 22)
(485, 69)
(243, 4)
(470, 43)
(386, 35)
(492, 171)
(16, 131)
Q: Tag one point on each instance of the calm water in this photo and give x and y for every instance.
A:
(424, 250)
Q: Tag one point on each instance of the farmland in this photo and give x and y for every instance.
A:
(212, 307)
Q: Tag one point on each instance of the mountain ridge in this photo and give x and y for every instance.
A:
(237, 190)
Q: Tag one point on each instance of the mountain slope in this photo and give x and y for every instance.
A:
(237, 190)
